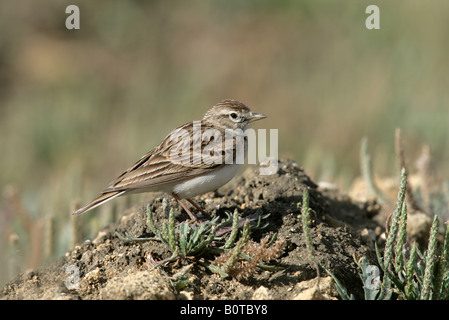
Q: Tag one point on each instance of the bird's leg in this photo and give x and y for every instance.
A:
(199, 208)
(191, 215)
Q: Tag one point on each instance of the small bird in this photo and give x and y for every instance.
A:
(195, 158)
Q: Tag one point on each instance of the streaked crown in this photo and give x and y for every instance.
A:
(231, 114)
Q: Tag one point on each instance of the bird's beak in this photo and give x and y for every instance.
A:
(256, 116)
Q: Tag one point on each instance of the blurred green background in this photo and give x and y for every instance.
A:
(77, 107)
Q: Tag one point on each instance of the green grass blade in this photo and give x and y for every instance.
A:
(392, 231)
(431, 258)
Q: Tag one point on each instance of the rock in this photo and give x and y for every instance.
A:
(310, 294)
(142, 285)
(262, 293)
(309, 291)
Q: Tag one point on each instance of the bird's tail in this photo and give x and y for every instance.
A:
(105, 197)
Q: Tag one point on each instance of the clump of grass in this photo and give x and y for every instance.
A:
(236, 255)
(248, 255)
(414, 274)
(407, 272)
(190, 240)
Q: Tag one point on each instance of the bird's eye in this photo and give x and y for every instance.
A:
(233, 116)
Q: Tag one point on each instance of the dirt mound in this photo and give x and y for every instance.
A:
(109, 268)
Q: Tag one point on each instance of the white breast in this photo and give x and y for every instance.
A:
(207, 182)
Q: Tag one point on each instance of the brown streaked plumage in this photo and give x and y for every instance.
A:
(167, 169)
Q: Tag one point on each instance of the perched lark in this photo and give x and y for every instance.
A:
(193, 159)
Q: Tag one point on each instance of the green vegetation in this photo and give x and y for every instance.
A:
(408, 272)
(198, 241)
